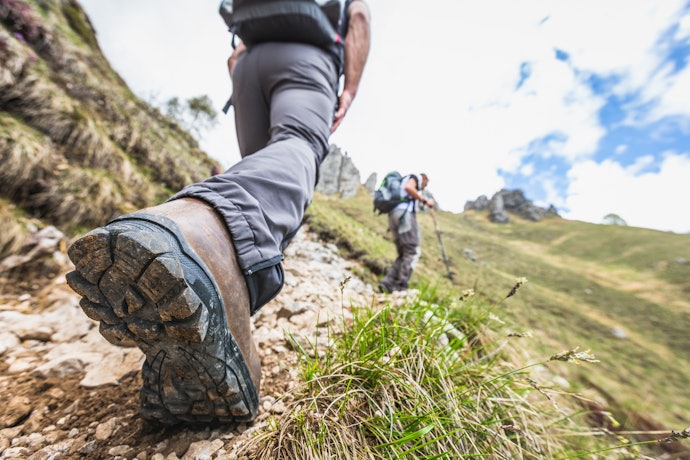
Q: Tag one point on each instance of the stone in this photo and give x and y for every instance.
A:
(619, 333)
(16, 452)
(18, 409)
(26, 327)
(497, 212)
(338, 175)
(106, 430)
(470, 254)
(294, 308)
(122, 451)
(371, 183)
(113, 367)
(59, 368)
(35, 440)
(8, 341)
(278, 408)
(88, 448)
(41, 243)
(41, 333)
(203, 450)
(506, 202)
(480, 204)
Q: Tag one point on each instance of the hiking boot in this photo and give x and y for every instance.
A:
(166, 279)
(384, 288)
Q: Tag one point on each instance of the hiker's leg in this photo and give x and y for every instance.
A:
(407, 265)
(263, 197)
(390, 281)
(409, 244)
(159, 278)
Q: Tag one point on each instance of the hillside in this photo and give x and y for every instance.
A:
(78, 148)
(620, 292)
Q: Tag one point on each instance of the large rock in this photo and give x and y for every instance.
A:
(507, 202)
(497, 212)
(480, 204)
(371, 183)
(338, 175)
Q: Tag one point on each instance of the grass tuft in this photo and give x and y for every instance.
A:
(424, 380)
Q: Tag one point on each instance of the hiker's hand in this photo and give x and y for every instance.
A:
(232, 60)
(430, 203)
(344, 103)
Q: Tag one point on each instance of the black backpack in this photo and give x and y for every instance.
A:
(388, 196)
(317, 22)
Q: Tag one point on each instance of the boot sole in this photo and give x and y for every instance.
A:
(144, 284)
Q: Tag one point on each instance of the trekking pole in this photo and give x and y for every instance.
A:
(440, 241)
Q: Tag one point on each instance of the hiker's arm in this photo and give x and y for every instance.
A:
(236, 53)
(356, 52)
(411, 189)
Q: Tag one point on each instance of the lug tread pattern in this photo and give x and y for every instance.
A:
(138, 280)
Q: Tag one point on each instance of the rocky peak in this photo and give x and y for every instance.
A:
(338, 174)
(505, 202)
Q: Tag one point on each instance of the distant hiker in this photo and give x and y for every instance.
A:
(402, 222)
(181, 279)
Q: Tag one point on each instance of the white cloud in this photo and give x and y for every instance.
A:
(653, 200)
(613, 37)
(671, 92)
(640, 164)
(553, 195)
(527, 169)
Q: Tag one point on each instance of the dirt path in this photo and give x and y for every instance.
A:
(70, 394)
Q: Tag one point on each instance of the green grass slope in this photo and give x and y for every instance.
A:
(620, 292)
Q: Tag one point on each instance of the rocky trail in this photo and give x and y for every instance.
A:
(68, 393)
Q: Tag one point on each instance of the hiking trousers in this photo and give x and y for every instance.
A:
(406, 236)
(284, 95)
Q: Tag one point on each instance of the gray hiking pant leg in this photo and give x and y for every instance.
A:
(284, 97)
(406, 238)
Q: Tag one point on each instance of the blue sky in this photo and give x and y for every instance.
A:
(581, 104)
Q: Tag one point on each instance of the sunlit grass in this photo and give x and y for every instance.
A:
(580, 292)
(416, 379)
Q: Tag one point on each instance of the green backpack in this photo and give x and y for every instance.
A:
(388, 196)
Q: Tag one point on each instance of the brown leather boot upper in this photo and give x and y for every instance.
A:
(207, 235)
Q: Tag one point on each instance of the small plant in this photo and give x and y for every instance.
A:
(674, 436)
